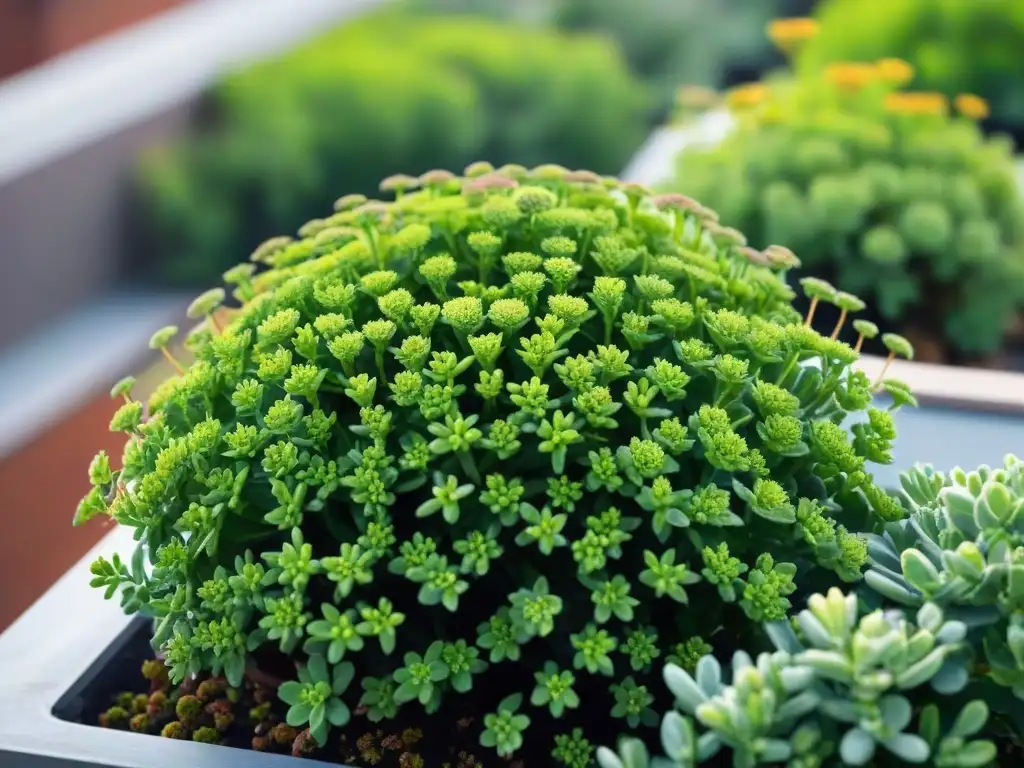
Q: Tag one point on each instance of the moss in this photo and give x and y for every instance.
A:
(174, 730)
(115, 717)
(157, 703)
(188, 709)
(155, 671)
(283, 735)
(206, 735)
(210, 689)
(304, 744)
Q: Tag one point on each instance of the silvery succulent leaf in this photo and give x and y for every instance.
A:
(708, 675)
(678, 738)
(783, 637)
(972, 718)
(920, 572)
(688, 694)
(897, 591)
(908, 747)
(895, 711)
(922, 671)
(959, 505)
(798, 706)
(929, 617)
(857, 747)
(830, 665)
(951, 678)
(775, 751)
(740, 661)
(632, 754)
(814, 632)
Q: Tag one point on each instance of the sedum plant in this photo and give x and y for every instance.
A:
(961, 548)
(479, 443)
(843, 687)
(877, 188)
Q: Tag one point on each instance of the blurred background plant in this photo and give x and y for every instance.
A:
(880, 190)
(955, 46)
(665, 42)
(387, 93)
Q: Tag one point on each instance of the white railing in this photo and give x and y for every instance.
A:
(123, 79)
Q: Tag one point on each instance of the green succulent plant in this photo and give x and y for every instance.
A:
(842, 688)
(962, 548)
(879, 190)
(530, 410)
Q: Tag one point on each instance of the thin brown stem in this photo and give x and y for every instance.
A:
(170, 359)
(217, 327)
(860, 343)
(810, 312)
(839, 324)
(885, 370)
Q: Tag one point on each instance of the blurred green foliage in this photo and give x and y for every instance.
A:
(389, 92)
(880, 191)
(955, 46)
(667, 43)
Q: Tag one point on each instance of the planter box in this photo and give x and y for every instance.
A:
(66, 656)
(62, 659)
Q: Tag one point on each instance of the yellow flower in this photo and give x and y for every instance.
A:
(916, 103)
(787, 34)
(746, 96)
(852, 75)
(971, 106)
(895, 71)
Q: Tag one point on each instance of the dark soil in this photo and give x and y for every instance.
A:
(252, 717)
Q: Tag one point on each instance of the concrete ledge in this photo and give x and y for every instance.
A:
(974, 389)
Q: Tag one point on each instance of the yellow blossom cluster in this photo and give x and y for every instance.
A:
(746, 96)
(971, 106)
(788, 34)
(916, 103)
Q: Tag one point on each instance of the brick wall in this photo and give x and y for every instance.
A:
(32, 31)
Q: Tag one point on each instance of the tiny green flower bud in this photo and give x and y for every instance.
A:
(865, 328)
(396, 304)
(269, 247)
(380, 282)
(508, 314)
(534, 199)
(816, 288)
(206, 303)
(558, 246)
(162, 338)
(348, 202)
(123, 388)
(479, 168)
(379, 332)
(898, 345)
(465, 314)
(399, 183)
